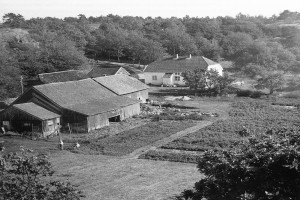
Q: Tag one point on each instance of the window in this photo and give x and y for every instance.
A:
(177, 73)
(177, 78)
(154, 78)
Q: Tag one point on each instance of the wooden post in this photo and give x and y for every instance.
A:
(69, 129)
(22, 86)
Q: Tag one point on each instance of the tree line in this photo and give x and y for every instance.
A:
(253, 43)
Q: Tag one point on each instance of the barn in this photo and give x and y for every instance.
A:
(84, 105)
(125, 86)
(29, 117)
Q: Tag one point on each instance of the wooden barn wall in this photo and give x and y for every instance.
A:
(17, 120)
(140, 95)
(101, 120)
(131, 110)
(51, 126)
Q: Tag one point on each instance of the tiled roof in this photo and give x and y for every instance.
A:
(101, 71)
(121, 84)
(36, 111)
(62, 76)
(74, 92)
(181, 64)
(102, 105)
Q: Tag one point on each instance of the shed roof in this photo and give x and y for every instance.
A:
(62, 76)
(121, 84)
(102, 105)
(180, 64)
(36, 111)
(70, 93)
(105, 71)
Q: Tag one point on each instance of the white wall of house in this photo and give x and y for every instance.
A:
(150, 78)
(178, 79)
(216, 67)
(168, 81)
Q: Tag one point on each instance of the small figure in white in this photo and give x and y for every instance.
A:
(61, 145)
(3, 130)
(77, 145)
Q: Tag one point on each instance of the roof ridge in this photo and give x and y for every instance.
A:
(59, 72)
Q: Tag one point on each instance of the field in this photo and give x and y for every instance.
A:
(246, 118)
(105, 166)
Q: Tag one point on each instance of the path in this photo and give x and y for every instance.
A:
(138, 152)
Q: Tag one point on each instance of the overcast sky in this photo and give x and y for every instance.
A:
(145, 8)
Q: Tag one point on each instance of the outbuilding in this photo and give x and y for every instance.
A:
(29, 117)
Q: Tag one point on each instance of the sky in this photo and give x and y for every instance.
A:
(144, 8)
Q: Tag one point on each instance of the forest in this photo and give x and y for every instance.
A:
(39, 45)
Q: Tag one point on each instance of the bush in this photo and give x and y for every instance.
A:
(22, 176)
(265, 167)
(249, 93)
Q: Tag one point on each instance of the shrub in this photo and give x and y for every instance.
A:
(249, 93)
(265, 167)
(22, 176)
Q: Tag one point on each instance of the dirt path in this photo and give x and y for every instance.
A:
(138, 152)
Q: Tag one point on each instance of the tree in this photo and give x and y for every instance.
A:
(13, 20)
(207, 81)
(22, 176)
(195, 79)
(262, 167)
(271, 81)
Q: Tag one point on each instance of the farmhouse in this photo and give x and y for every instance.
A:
(167, 71)
(84, 105)
(126, 86)
(107, 71)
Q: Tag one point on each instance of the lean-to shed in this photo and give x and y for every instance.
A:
(29, 117)
(125, 86)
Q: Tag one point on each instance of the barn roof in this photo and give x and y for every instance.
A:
(74, 92)
(180, 64)
(121, 84)
(36, 111)
(62, 76)
(105, 71)
(102, 105)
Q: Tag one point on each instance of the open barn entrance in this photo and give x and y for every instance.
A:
(115, 119)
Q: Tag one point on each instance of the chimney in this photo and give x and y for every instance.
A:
(176, 56)
(190, 56)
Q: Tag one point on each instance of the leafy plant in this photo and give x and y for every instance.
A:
(23, 176)
(265, 167)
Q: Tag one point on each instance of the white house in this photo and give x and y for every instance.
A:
(167, 71)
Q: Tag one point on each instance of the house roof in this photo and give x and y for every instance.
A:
(62, 76)
(105, 71)
(181, 64)
(71, 93)
(102, 105)
(36, 111)
(167, 75)
(121, 84)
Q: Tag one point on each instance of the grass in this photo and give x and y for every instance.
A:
(130, 140)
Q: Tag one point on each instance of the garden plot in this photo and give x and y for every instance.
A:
(248, 117)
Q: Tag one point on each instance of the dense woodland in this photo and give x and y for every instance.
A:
(37, 45)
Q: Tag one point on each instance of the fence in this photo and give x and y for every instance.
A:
(74, 128)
